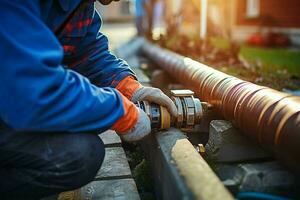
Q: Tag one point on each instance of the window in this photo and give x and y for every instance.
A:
(252, 8)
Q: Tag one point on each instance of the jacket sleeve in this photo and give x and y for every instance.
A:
(36, 92)
(92, 57)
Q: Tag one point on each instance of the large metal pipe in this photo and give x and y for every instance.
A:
(267, 116)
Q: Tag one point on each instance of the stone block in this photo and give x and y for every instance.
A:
(267, 177)
(120, 189)
(167, 181)
(198, 176)
(167, 156)
(226, 144)
(110, 138)
(114, 165)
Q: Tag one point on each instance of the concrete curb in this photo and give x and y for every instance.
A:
(179, 171)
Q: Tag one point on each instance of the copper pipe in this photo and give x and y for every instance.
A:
(267, 116)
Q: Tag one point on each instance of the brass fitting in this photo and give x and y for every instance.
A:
(190, 111)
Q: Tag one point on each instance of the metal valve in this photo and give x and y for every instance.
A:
(190, 111)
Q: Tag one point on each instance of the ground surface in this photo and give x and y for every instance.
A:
(272, 67)
(118, 34)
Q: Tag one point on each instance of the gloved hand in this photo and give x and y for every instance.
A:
(154, 95)
(134, 124)
(134, 91)
(141, 129)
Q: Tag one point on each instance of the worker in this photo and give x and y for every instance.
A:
(59, 87)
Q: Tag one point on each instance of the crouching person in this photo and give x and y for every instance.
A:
(59, 87)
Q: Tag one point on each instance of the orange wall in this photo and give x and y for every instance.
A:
(277, 13)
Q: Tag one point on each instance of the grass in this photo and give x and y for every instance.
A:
(272, 58)
(278, 79)
(268, 58)
(220, 43)
(273, 67)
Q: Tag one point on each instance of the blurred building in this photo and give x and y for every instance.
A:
(238, 19)
(267, 15)
(117, 11)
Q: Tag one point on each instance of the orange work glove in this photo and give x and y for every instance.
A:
(134, 124)
(134, 91)
(128, 86)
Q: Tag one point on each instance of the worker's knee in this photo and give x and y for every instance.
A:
(80, 160)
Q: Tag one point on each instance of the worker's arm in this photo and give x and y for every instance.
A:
(92, 58)
(87, 51)
(37, 93)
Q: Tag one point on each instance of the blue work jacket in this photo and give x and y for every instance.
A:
(57, 73)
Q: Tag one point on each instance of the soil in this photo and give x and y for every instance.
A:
(229, 60)
(140, 170)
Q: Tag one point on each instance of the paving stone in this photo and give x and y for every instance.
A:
(115, 164)
(112, 182)
(110, 138)
(121, 189)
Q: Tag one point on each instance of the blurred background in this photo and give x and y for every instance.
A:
(256, 40)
